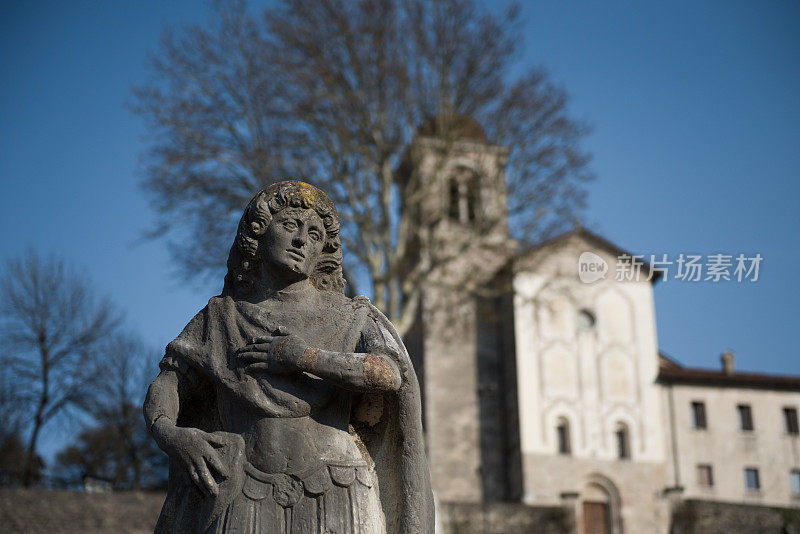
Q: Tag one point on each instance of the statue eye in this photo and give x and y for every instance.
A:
(290, 224)
(315, 235)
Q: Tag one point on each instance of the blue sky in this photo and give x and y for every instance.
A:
(696, 109)
(696, 144)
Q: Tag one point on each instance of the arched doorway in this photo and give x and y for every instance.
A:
(600, 507)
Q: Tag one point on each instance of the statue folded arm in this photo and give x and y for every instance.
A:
(372, 368)
(355, 371)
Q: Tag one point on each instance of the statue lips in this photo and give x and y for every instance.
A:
(295, 254)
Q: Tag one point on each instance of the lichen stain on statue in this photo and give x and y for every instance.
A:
(285, 406)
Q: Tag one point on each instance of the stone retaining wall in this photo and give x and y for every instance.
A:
(706, 517)
(504, 518)
(74, 512)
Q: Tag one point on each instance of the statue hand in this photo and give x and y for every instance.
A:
(278, 353)
(196, 450)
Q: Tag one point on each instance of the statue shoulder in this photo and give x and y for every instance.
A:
(375, 319)
(364, 306)
(215, 304)
(219, 302)
(215, 307)
(193, 344)
(362, 302)
(344, 303)
(358, 310)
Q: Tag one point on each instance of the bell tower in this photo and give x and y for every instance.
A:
(453, 183)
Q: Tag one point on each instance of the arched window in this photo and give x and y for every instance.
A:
(586, 320)
(623, 440)
(453, 208)
(472, 197)
(562, 433)
(463, 202)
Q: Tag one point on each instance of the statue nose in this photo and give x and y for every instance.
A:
(299, 239)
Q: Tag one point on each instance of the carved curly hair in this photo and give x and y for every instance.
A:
(244, 259)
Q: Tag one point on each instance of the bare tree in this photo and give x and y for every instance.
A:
(13, 399)
(335, 91)
(101, 451)
(13, 408)
(51, 325)
(123, 370)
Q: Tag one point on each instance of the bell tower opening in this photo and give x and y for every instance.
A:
(464, 195)
(452, 184)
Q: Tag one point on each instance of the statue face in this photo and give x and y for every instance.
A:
(293, 242)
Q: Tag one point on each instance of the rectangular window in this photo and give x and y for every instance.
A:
(705, 476)
(790, 421)
(751, 482)
(745, 417)
(794, 479)
(698, 414)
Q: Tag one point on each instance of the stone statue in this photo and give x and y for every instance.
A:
(285, 406)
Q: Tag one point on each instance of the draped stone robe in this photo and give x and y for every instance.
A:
(303, 453)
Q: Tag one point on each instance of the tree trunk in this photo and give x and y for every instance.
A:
(137, 472)
(27, 478)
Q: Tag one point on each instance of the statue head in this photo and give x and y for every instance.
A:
(289, 231)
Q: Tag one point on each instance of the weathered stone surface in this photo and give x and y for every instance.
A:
(282, 398)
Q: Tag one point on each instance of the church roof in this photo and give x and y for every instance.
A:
(591, 239)
(671, 372)
(455, 126)
(450, 126)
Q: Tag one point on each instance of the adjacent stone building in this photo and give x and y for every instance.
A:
(734, 436)
(543, 389)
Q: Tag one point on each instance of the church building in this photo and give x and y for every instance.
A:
(544, 388)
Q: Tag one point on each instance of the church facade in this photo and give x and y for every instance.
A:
(545, 389)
